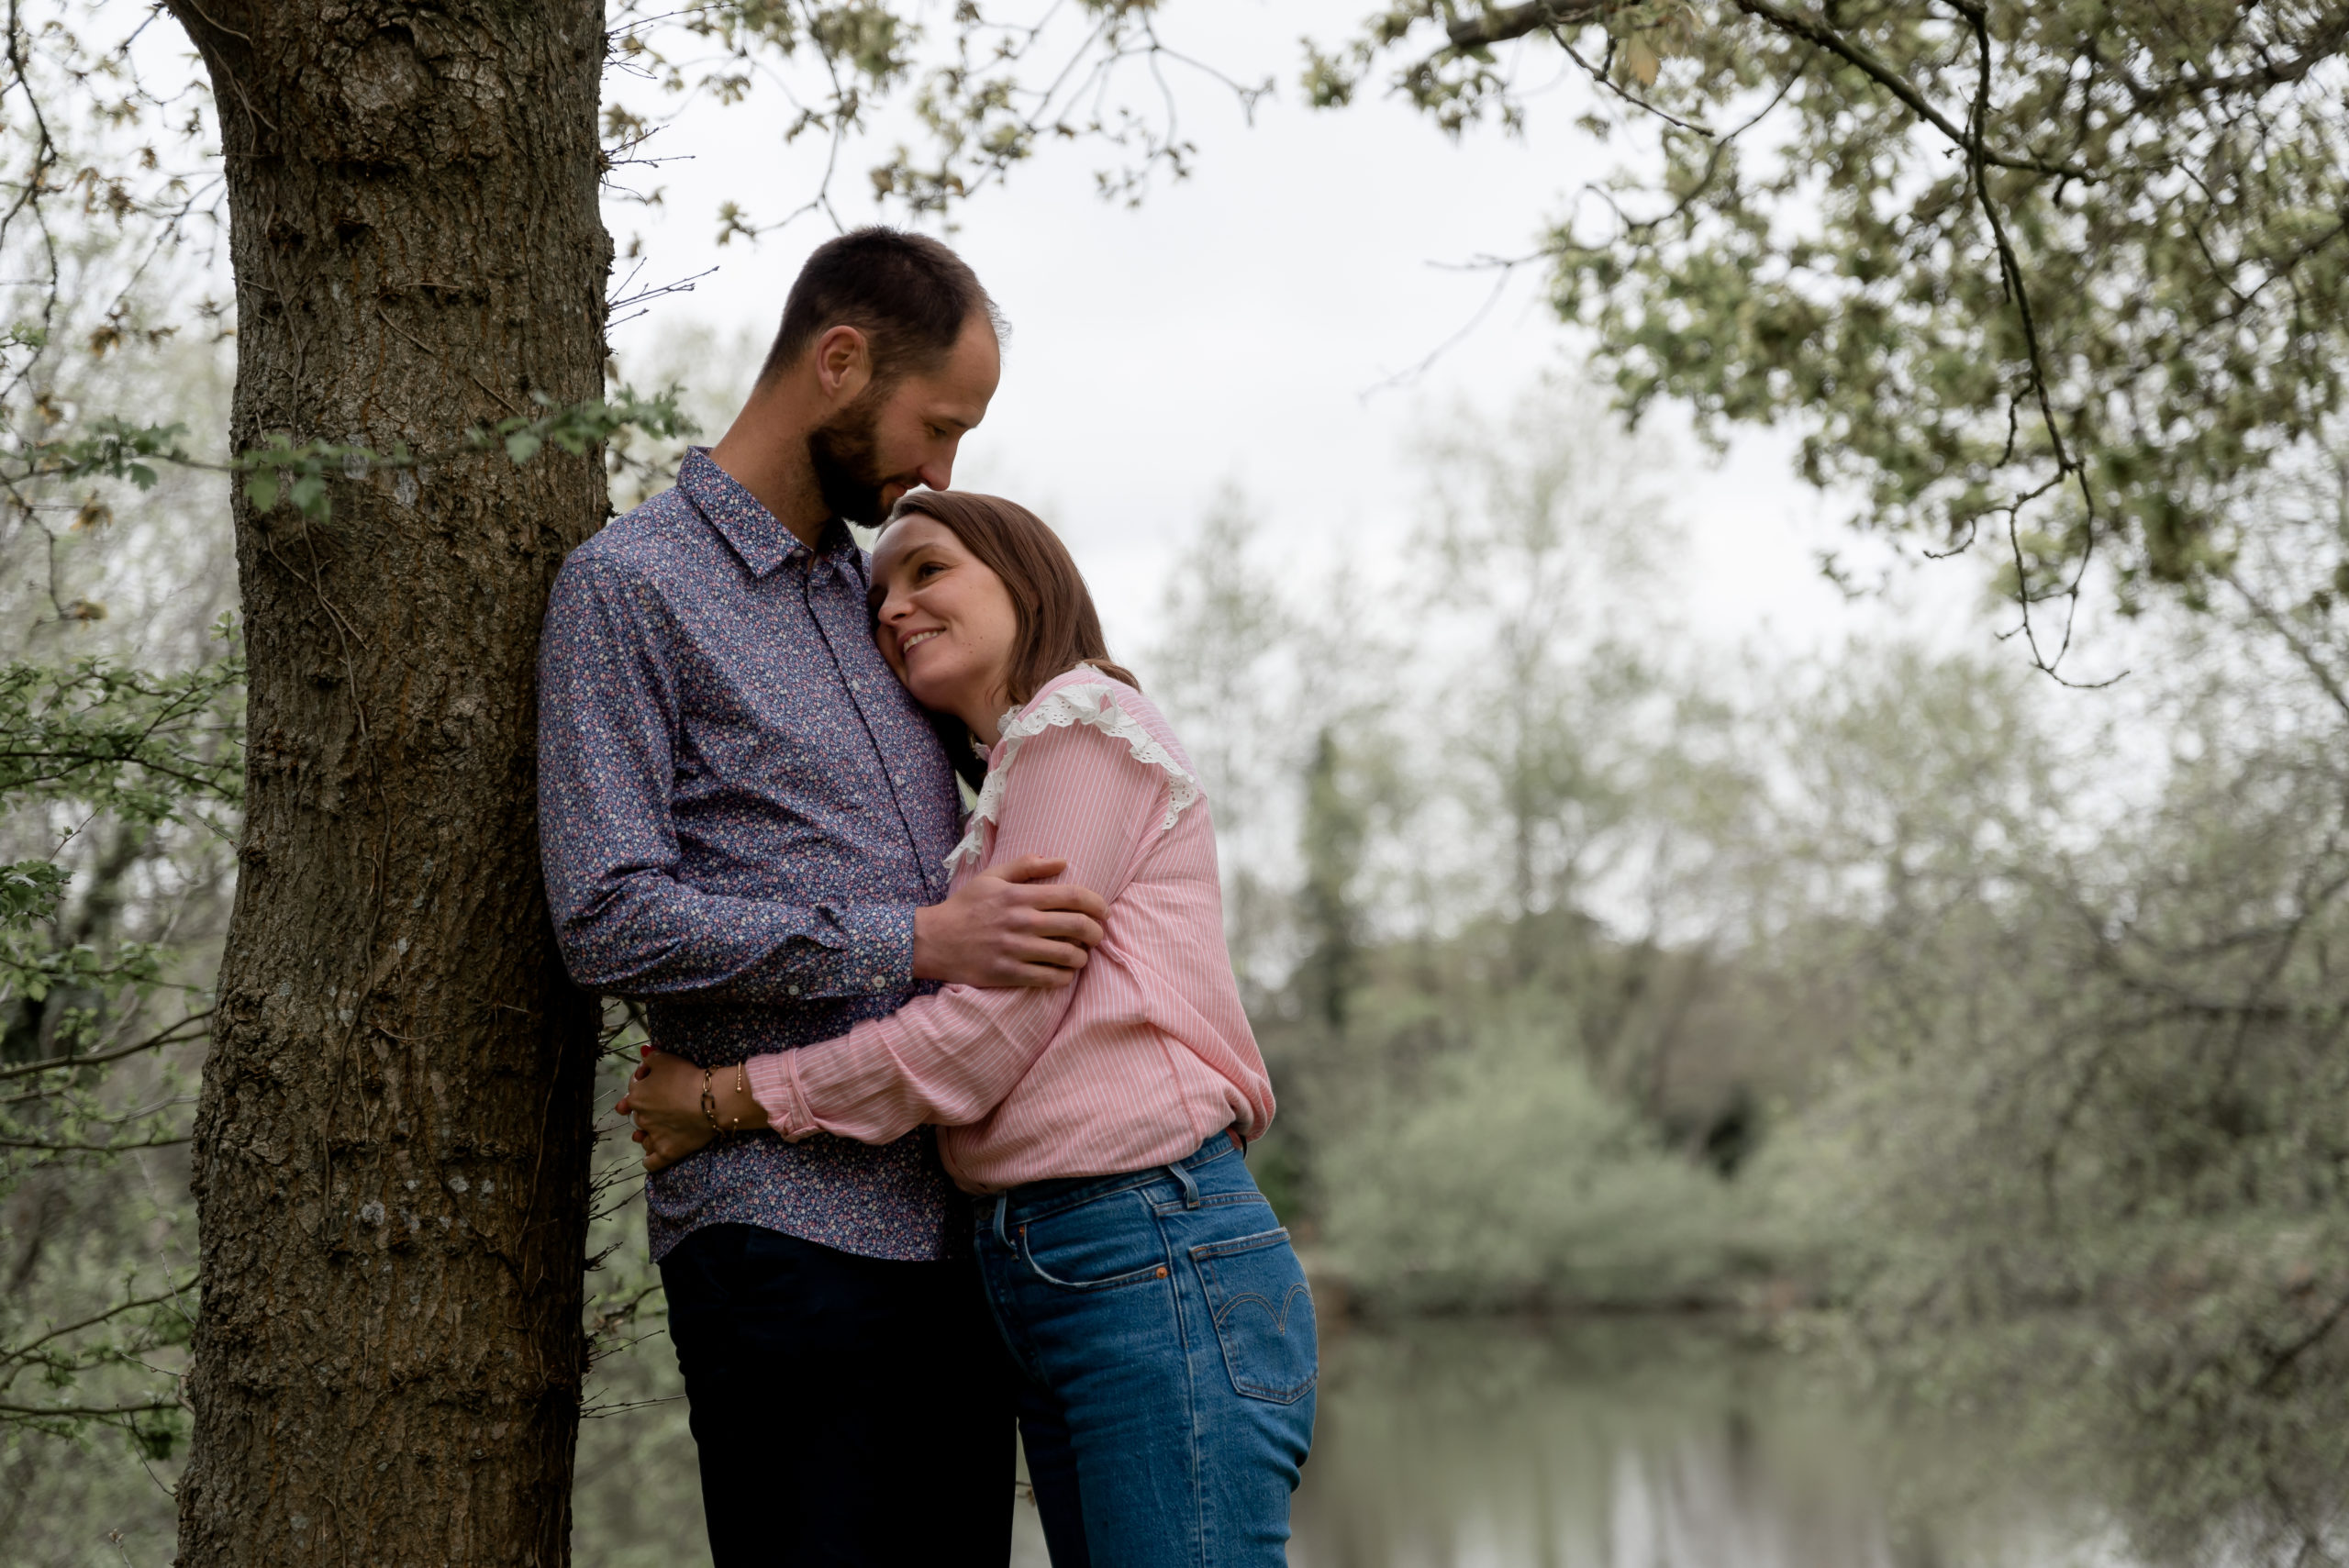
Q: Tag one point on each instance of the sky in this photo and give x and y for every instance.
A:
(1259, 326)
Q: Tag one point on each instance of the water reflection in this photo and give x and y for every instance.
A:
(1617, 1444)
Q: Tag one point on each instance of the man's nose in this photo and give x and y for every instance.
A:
(938, 473)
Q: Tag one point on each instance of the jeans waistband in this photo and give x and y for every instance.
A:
(1062, 1192)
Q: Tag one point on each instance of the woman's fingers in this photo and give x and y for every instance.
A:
(657, 1103)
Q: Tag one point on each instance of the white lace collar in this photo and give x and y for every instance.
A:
(1089, 702)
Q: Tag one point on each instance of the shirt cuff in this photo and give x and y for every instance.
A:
(774, 1083)
(876, 956)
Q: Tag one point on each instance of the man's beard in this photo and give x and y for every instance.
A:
(847, 474)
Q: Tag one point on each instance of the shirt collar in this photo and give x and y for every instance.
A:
(739, 518)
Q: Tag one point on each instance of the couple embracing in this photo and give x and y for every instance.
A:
(946, 1112)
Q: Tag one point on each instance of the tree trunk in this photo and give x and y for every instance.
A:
(391, 1145)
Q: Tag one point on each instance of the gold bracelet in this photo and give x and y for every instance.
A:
(742, 1088)
(708, 1102)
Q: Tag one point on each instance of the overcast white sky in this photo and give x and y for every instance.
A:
(1233, 330)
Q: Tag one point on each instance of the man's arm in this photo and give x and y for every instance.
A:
(629, 926)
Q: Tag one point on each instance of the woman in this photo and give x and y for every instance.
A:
(1145, 1287)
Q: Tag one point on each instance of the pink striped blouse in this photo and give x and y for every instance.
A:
(1135, 1064)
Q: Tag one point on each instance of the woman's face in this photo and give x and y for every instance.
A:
(945, 622)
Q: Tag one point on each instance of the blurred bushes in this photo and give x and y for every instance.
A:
(1501, 1175)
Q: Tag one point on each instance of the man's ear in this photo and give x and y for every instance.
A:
(843, 363)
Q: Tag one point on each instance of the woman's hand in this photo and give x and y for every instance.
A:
(665, 1100)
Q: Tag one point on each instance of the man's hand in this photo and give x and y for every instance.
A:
(1009, 926)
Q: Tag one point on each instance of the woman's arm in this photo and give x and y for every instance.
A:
(950, 1057)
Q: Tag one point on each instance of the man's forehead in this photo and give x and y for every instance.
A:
(955, 398)
(977, 358)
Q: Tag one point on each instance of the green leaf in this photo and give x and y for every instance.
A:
(30, 891)
(309, 498)
(261, 489)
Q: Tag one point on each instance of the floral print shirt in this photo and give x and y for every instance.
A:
(739, 810)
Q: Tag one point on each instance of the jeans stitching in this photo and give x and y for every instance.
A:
(1239, 1244)
(1061, 1203)
(1133, 1277)
(1248, 1387)
(999, 1309)
(1190, 1392)
(1213, 1200)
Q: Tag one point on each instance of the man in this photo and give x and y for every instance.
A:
(745, 821)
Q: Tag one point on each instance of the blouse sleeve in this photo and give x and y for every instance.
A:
(1075, 792)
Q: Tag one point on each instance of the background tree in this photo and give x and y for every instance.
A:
(2063, 278)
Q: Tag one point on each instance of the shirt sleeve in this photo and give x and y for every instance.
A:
(951, 1057)
(627, 923)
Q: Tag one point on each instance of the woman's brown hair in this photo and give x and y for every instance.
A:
(1058, 627)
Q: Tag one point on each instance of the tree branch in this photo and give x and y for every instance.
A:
(2300, 647)
(1885, 77)
(90, 1411)
(1516, 21)
(24, 1352)
(160, 1038)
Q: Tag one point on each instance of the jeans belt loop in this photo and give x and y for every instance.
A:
(1190, 1187)
(1002, 1202)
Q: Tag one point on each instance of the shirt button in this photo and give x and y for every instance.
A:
(791, 990)
(880, 983)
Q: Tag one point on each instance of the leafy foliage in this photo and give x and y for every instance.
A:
(575, 428)
(2068, 277)
(132, 754)
(149, 748)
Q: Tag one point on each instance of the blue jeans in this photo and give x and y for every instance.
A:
(1165, 1337)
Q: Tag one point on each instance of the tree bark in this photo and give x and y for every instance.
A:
(392, 1139)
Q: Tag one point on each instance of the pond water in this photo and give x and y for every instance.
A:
(1665, 1443)
(1661, 1443)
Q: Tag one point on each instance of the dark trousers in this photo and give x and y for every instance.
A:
(848, 1411)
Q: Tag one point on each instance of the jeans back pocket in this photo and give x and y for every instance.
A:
(1264, 1314)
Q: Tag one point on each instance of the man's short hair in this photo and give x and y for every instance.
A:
(907, 293)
